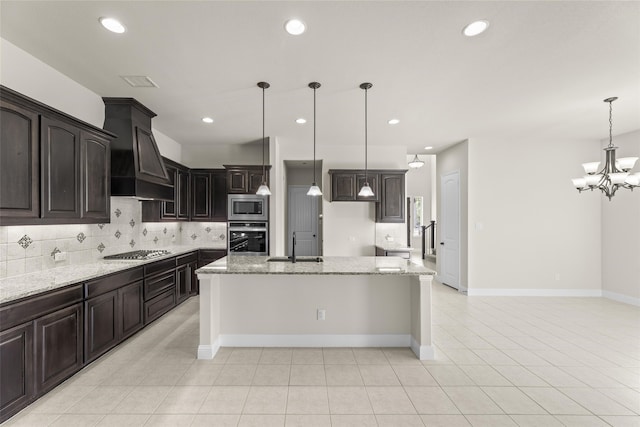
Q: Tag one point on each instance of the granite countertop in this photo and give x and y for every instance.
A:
(331, 265)
(17, 287)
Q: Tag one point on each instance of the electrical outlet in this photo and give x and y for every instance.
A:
(322, 314)
(60, 256)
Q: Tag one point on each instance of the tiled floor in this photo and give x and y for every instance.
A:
(500, 362)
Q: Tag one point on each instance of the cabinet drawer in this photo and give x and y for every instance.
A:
(187, 258)
(159, 305)
(159, 267)
(159, 284)
(109, 283)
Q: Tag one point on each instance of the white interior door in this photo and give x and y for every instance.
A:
(303, 219)
(449, 248)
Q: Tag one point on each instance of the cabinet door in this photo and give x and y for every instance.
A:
(372, 178)
(182, 198)
(95, 163)
(131, 309)
(183, 282)
(169, 208)
(58, 347)
(16, 369)
(237, 181)
(194, 289)
(343, 187)
(219, 196)
(19, 162)
(200, 196)
(255, 180)
(100, 324)
(60, 159)
(391, 206)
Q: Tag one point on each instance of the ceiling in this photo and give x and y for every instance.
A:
(541, 70)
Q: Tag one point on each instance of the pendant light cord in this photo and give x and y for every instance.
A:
(366, 178)
(610, 123)
(263, 169)
(314, 136)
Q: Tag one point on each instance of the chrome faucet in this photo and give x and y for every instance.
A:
(293, 248)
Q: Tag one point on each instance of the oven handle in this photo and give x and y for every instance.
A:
(247, 229)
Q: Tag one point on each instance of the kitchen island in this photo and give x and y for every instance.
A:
(249, 301)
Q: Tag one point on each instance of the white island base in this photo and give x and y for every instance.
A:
(282, 310)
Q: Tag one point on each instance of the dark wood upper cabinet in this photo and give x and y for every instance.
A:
(346, 184)
(391, 207)
(178, 208)
(55, 168)
(245, 179)
(219, 196)
(169, 210)
(237, 181)
(183, 198)
(372, 179)
(19, 161)
(200, 195)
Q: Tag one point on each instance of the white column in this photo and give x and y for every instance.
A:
(209, 315)
(421, 317)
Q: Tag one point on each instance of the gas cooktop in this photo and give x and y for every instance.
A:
(139, 255)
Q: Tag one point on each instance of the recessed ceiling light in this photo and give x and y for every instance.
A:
(393, 121)
(428, 148)
(112, 25)
(301, 121)
(295, 27)
(475, 28)
(207, 119)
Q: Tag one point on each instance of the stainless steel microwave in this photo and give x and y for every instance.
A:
(248, 207)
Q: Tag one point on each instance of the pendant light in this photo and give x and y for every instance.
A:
(263, 190)
(314, 190)
(366, 190)
(416, 163)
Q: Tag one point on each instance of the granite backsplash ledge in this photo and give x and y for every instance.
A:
(25, 249)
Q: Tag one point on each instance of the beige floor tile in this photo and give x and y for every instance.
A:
(236, 375)
(184, 399)
(343, 375)
(247, 420)
(495, 357)
(555, 376)
(596, 402)
(520, 376)
(100, 400)
(536, 421)
(449, 375)
(272, 375)
(581, 421)
(491, 421)
(525, 357)
(200, 374)
(266, 400)
(307, 400)
(349, 400)
(123, 420)
(60, 399)
(353, 421)
(622, 421)
(142, 400)
(472, 400)
(370, 356)
(445, 421)
(410, 375)
(167, 376)
(431, 400)
(378, 375)
(484, 375)
(338, 356)
(625, 396)
(276, 356)
(307, 374)
(24, 419)
(169, 420)
(512, 401)
(77, 420)
(390, 400)
(465, 356)
(401, 356)
(307, 356)
(208, 420)
(225, 400)
(244, 356)
(399, 421)
(553, 401)
(295, 420)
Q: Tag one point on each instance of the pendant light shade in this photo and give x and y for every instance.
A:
(314, 190)
(366, 190)
(263, 190)
(416, 162)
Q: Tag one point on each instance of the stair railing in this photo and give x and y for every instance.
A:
(429, 248)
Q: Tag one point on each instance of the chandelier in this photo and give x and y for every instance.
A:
(615, 173)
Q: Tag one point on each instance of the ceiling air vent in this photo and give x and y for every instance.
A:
(139, 81)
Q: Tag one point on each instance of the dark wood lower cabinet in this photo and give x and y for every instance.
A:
(16, 369)
(194, 289)
(183, 278)
(100, 324)
(131, 309)
(58, 347)
(159, 305)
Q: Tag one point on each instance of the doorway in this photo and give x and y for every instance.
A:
(449, 247)
(303, 220)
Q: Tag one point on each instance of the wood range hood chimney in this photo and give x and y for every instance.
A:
(137, 169)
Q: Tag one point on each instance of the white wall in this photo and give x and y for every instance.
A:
(621, 231)
(530, 232)
(420, 183)
(215, 156)
(456, 158)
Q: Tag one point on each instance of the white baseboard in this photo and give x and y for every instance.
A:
(315, 340)
(208, 351)
(536, 292)
(621, 298)
(424, 352)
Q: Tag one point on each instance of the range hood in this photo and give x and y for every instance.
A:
(137, 169)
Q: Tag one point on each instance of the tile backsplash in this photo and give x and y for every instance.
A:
(25, 249)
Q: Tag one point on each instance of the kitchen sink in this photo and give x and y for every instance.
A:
(298, 259)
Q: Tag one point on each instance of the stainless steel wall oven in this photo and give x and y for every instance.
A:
(248, 238)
